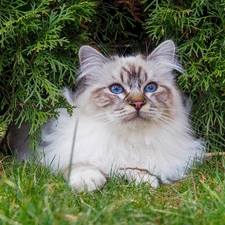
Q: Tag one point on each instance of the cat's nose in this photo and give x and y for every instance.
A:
(137, 104)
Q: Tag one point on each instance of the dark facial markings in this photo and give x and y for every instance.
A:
(103, 99)
(133, 76)
(122, 76)
(80, 86)
(164, 96)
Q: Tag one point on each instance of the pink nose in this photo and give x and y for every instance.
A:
(137, 105)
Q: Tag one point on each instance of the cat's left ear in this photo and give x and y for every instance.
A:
(165, 51)
(165, 54)
(90, 57)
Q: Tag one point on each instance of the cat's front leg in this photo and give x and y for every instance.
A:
(85, 177)
(139, 175)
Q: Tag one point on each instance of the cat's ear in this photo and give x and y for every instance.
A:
(90, 57)
(165, 51)
(165, 54)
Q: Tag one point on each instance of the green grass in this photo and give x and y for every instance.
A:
(30, 194)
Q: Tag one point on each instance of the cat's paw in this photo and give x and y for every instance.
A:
(141, 175)
(152, 180)
(87, 179)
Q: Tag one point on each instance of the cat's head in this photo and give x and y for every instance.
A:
(133, 90)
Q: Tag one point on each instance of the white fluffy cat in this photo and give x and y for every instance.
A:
(130, 120)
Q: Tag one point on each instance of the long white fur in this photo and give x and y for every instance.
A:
(104, 146)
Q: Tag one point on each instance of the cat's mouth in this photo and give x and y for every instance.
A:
(136, 115)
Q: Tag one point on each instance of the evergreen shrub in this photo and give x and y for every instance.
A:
(40, 40)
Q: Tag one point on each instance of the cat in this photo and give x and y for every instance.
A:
(129, 120)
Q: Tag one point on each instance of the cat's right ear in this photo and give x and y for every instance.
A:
(165, 56)
(90, 57)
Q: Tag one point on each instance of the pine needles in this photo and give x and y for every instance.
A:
(39, 43)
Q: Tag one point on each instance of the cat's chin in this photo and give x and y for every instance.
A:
(137, 121)
(137, 117)
(137, 124)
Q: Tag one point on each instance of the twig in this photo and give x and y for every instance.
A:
(209, 154)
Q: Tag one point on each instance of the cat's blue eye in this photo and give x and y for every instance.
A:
(116, 89)
(151, 87)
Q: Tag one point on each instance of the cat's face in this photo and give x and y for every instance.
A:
(131, 90)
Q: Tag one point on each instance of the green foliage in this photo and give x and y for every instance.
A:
(39, 43)
(40, 39)
(109, 23)
(117, 26)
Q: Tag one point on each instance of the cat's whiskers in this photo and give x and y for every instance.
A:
(97, 116)
(173, 110)
(126, 116)
(103, 121)
(184, 112)
(164, 123)
(187, 134)
(112, 126)
(121, 114)
(171, 132)
(150, 113)
(167, 110)
(187, 128)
